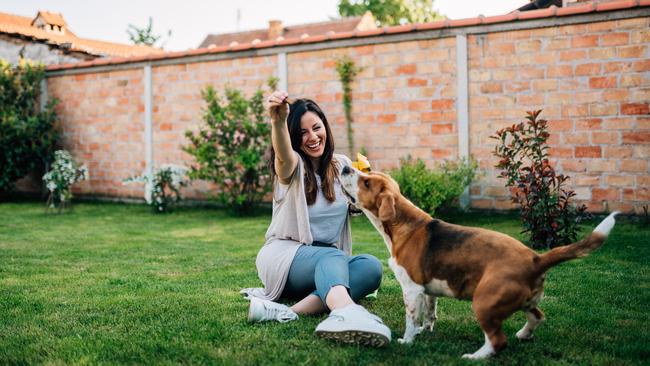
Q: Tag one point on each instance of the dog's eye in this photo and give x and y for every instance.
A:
(366, 183)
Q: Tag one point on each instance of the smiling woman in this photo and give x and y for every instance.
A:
(313, 135)
(307, 254)
(310, 134)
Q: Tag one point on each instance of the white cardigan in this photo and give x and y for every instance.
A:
(288, 230)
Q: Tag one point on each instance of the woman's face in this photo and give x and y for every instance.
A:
(313, 135)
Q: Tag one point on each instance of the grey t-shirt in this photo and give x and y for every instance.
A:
(326, 218)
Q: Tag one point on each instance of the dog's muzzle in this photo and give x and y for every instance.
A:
(347, 176)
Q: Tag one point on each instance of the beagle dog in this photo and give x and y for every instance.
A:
(432, 258)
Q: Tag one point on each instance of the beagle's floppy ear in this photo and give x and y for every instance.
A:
(386, 207)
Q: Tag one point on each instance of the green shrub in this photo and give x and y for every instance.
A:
(27, 135)
(547, 214)
(430, 189)
(232, 148)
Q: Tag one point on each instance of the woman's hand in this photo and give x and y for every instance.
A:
(278, 106)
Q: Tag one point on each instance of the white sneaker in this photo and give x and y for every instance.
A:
(262, 310)
(355, 325)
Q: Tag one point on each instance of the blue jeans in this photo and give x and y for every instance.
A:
(315, 270)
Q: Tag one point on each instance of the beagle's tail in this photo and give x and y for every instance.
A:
(578, 249)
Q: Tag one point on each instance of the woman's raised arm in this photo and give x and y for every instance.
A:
(285, 159)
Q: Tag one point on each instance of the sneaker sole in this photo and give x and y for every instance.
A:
(355, 337)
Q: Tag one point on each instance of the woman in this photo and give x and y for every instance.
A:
(308, 244)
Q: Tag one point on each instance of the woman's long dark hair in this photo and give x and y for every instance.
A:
(327, 168)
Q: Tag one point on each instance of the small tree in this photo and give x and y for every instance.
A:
(145, 36)
(232, 148)
(347, 71)
(546, 212)
(391, 12)
(27, 135)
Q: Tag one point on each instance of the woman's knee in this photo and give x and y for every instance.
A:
(332, 265)
(331, 270)
(369, 267)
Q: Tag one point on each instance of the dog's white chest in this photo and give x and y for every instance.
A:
(408, 286)
(434, 287)
(439, 288)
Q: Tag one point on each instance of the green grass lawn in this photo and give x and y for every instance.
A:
(111, 283)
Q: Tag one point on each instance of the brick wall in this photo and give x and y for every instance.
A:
(403, 100)
(102, 126)
(103, 122)
(592, 80)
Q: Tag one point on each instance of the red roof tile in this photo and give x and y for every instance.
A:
(240, 47)
(314, 39)
(502, 18)
(513, 16)
(290, 41)
(539, 13)
(294, 31)
(464, 22)
(369, 32)
(580, 9)
(265, 44)
(433, 25)
(400, 29)
(341, 35)
(616, 5)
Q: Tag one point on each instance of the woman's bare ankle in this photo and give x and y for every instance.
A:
(310, 305)
(338, 297)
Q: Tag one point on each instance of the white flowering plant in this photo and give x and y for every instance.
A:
(162, 188)
(64, 173)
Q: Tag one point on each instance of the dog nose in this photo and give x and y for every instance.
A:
(346, 170)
